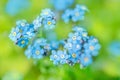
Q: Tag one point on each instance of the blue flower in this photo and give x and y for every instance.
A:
(49, 23)
(85, 59)
(15, 34)
(74, 57)
(75, 14)
(28, 52)
(61, 4)
(114, 48)
(92, 46)
(78, 13)
(74, 38)
(37, 52)
(55, 57)
(81, 32)
(54, 45)
(59, 57)
(13, 7)
(38, 49)
(47, 13)
(67, 15)
(22, 42)
(37, 22)
(47, 19)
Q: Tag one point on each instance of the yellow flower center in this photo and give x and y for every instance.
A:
(74, 37)
(62, 56)
(84, 35)
(77, 14)
(37, 52)
(14, 33)
(55, 56)
(74, 55)
(22, 24)
(92, 48)
(86, 59)
(23, 42)
(49, 23)
(46, 13)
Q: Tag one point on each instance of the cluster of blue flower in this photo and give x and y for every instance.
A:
(47, 19)
(24, 31)
(74, 14)
(78, 48)
(61, 4)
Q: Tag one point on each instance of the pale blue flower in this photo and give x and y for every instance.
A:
(85, 59)
(92, 46)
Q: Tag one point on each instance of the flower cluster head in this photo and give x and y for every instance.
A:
(22, 33)
(61, 4)
(75, 14)
(78, 48)
(47, 19)
(38, 49)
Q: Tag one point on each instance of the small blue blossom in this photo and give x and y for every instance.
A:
(37, 52)
(67, 15)
(78, 13)
(92, 46)
(37, 22)
(75, 14)
(54, 45)
(15, 34)
(114, 48)
(54, 57)
(28, 52)
(49, 23)
(74, 57)
(61, 4)
(47, 19)
(22, 42)
(38, 49)
(85, 59)
(59, 57)
(47, 13)
(13, 7)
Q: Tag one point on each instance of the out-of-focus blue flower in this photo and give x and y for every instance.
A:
(37, 22)
(85, 59)
(47, 19)
(47, 13)
(75, 15)
(13, 7)
(67, 15)
(15, 34)
(38, 49)
(59, 57)
(28, 52)
(61, 4)
(92, 46)
(78, 13)
(22, 42)
(54, 45)
(114, 48)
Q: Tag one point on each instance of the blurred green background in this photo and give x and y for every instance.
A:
(103, 21)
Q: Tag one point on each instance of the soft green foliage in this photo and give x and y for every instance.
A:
(102, 21)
